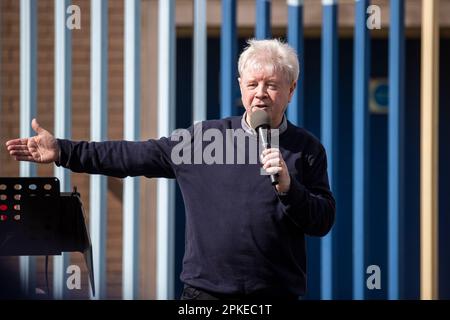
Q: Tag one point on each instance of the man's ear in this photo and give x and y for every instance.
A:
(240, 84)
(292, 89)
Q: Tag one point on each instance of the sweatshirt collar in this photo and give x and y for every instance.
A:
(282, 128)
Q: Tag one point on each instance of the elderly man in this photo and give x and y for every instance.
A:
(245, 237)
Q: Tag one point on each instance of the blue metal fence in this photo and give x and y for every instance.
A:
(99, 121)
(28, 93)
(262, 27)
(295, 111)
(361, 147)
(329, 131)
(228, 59)
(63, 123)
(396, 146)
(329, 123)
(132, 110)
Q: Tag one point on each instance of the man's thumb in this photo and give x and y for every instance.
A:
(36, 127)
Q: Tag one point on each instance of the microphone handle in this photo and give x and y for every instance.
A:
(265, 139)
(274, 179)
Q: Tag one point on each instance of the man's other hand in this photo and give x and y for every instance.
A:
(41, 148)
(273, 163)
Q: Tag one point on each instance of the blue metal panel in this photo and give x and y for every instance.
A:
(200, 61)
(444, 171)
(228, 44)
(262, 29)
(360, 142)
(165, 262)
(130, 257)
(28, 89)
(63, 99)
(329, 128)
(396, 147)
(295, 112)
(183, 111)
(411, 288)
(99, 116)
(342, 230)
(312, 123)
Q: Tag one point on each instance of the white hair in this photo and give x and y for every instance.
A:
(272, 54)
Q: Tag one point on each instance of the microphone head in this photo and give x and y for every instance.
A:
(259, 118)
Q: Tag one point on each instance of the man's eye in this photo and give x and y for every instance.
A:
(272, 87)
(251, 85)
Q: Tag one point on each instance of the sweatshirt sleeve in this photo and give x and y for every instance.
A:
(118, 158)
(311, 204)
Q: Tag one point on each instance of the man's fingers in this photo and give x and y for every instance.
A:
(24, 158)
(16, 142)
(273, 155)
(272, 163)
(17, 147)
(20, 153)
(273, 170)
(270, 150)
(36, 127)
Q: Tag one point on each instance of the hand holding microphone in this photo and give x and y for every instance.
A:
(271, 158)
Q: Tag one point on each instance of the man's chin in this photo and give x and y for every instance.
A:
(265, 109)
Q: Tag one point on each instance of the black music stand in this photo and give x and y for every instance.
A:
(36, 219)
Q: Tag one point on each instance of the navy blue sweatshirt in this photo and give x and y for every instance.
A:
(241, 235)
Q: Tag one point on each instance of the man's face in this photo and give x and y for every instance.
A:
(266, 90)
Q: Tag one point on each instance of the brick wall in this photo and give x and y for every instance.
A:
(9, 122)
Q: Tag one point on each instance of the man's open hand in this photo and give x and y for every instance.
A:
(41, 148)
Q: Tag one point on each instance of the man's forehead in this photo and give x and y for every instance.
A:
(259, 74)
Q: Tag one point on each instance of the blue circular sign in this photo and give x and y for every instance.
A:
(381, 95)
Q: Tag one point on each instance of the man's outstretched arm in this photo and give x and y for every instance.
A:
(112, 158)
(118, 158)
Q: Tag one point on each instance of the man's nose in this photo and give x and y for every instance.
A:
(261, 91)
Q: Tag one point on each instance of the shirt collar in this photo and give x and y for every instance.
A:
(278, 131)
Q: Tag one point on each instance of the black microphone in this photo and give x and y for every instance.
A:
(260, 122)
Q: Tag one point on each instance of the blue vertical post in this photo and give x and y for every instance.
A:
(200, 61)
(63, 99)
(329, 116)
(262, 29)
(28, 91)
(396, 146)
(295, 112)
(130, 257)
(99, 120)
(165, 228)
(361, 144)
(228, 50)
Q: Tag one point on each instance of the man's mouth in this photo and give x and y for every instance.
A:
(260, 106)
